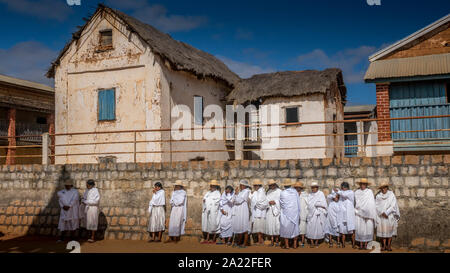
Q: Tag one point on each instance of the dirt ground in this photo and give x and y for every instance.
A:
(14, 244)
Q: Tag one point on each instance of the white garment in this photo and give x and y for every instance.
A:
(317, 216)
(387, 203)
(210, 209)
(272, 227)
(259, 207)
(290, 213)
(90, 202)
(156, 208)
(69, 220)
(365, 211)
(334, 217)
(178, 215)
(303, 212)
(225, 220)
(241, 215)
(347, 200)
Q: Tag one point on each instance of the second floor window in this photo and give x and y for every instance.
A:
(107, 105)
(198, 110)
(292, 115)
(106, 38)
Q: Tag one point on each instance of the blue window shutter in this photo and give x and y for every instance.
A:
(106, 105)
(198, 110)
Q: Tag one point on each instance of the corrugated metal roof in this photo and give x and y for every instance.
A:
(409, 67)
(24, 83)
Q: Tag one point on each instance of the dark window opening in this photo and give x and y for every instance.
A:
(292, 115)
(41, 120)
(198, 110)
(106, 38)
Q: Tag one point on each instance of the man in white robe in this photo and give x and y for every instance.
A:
(210, 209)
(259, 207)
(347, 200)
(317, 215)
(303, 195)
(157, 211)
(272, 228)
(241, 214)
(365, 211)
(90, 203)
(225, 215)
(178, 214)
(388, 215)
(290, 214)
(69, 201)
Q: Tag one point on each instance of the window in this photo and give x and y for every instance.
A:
(106, 105)
(106, 38)
(198, 110)
(292, 115)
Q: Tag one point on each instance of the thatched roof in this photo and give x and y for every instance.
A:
(287, 84)
(180, 56)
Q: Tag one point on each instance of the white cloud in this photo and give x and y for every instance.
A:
(46, 9)
(27, 60)
(244, 70)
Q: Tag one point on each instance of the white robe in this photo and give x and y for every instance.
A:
(259, 206)
(89, 209)
(210, 209)
(69, 220)
(241, 215)
(317, 216)
(303, 212)
(387, 203)
(178, 215)
(347, 200)
(273, 213)
(157, 219)
(365, 215)
(334, 216)
(225, 220)
(290, 213)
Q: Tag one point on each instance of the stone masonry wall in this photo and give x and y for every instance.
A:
(28, 203)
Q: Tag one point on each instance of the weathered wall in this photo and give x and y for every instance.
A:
(28, 203)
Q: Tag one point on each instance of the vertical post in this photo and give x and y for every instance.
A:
(51, 131)
(134, 152)
(238, 143)
(10, 156)
(360, 137)
(45, 148)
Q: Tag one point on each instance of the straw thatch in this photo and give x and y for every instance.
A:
(288, 84)
(180, 56)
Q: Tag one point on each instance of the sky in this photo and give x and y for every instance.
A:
(250, 36)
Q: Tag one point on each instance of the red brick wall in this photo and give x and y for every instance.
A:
(384, 127)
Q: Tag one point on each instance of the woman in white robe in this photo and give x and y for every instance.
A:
(69, 201)
(334, 218)
(272, 227)
(259, 207)
(388, 215)
(303, 196)
(365, 211)
(210, 209)
(178, 214)
(157, 211)
(317, 215)
(347, 200)
(290, 214)
(241, 214)
(225, 215)
(90, 201)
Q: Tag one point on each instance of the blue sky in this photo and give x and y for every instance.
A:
(249, 36)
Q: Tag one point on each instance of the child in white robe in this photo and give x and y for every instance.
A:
(225, 216)
(334, 218)
(90, 202)
(178, 214)
(157, 211)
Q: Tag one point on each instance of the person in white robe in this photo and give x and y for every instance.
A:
(178, 214)
(303, 195)
(347, 200)
(365, 212)
(272, 227)
(89, 208)
(334, 218)
(290, 214)
(157, 211)
(241, 215)
(258, 208)
(210, 209)
(69, 201)
(388, 215)
(225, 216)
(317, 215)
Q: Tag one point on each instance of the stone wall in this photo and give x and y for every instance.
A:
(28, 204)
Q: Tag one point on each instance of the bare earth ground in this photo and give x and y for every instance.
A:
(14, 244)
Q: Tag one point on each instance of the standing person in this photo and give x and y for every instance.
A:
(303, 209)
(388, 215)
(259, 207)
(347, 200)
(241, 214)
(157, 211)
(210, 209)
(290, 214)
(225, 215)
(272, 228)
(178, 214)
(69, 201)
(365, 211)
(91, 200)
(334, 218)
(317, 215)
